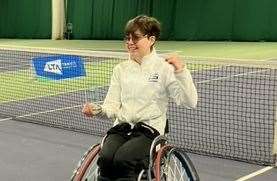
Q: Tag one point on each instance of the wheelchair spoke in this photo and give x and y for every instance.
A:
(175, 170)
(173, 166)
(87, 168)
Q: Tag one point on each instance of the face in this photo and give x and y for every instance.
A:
(139, 45)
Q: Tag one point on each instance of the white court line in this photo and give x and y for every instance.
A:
(49, 95)
(21, 65)
(236, 75)
(258, 172)
(49, 111)
(37, 113)
(222, 58)
(44, 112)
(6, 119)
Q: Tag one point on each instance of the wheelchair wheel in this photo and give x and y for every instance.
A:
(87, 169)
(173, 164)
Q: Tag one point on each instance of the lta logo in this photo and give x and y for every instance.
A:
(54, 67)
(59, 67)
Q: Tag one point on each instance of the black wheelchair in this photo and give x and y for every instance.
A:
(166, 163)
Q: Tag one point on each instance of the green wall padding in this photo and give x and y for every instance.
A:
(25, 19)
(231, 20)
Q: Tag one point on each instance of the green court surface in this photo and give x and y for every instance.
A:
(225, 49)
(43, 87)
(38, 86)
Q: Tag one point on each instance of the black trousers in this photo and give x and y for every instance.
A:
(125, 152)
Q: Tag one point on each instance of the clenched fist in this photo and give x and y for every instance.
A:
(91, 109)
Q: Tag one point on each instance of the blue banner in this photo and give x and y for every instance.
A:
(59, 67)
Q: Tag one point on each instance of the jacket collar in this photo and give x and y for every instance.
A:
(148, 59)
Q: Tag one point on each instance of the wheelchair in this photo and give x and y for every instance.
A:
(166, 163)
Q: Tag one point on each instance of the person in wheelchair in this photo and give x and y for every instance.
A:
(137, 100)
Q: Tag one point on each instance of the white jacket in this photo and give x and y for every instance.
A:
(141, 92)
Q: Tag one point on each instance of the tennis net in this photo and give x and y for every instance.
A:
(235, 117)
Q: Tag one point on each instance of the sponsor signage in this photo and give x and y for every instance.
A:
(59, 67)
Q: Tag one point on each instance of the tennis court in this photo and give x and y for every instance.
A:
(56, 55)
(234, 119)
(34, 152)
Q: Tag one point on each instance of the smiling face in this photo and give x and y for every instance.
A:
(141, 33)
(139, 45)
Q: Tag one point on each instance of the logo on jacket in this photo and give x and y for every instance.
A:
(153, 77)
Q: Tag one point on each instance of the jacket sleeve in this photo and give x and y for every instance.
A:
(112, 101)
(181, 88)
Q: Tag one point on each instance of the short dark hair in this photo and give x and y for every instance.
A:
(147, 25)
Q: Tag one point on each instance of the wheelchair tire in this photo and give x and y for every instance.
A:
(87, 168)
(174, 164)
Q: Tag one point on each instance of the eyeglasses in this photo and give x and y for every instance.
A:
(135, 38)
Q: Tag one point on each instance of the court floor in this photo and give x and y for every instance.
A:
(34, 152)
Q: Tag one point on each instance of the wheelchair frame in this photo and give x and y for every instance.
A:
(161, 153)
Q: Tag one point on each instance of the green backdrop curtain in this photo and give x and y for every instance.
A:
(247, 20)
(25, 18)
(231, 20)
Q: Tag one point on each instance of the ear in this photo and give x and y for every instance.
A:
(152, 39)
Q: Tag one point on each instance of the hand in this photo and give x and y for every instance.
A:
(90, 109)
(176, 61)
(87, 109)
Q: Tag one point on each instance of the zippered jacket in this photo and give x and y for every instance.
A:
(141, 92)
